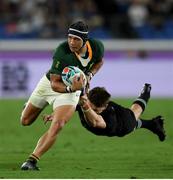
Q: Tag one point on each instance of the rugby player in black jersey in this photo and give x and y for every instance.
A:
(103, 117)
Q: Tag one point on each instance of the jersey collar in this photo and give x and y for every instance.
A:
(83, 61)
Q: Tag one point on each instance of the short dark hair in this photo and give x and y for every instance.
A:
(99, 96)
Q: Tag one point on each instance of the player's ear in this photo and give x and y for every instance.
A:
(106, 105)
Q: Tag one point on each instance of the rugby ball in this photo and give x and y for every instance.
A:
(69, 73)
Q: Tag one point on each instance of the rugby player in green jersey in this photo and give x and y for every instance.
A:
(79, 51)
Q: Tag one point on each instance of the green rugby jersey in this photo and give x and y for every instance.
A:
(64, 57)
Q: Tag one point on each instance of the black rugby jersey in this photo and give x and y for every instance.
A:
(119, 121)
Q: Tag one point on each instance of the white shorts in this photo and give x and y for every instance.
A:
(44, 95)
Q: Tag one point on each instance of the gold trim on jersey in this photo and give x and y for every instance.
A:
(84, 61)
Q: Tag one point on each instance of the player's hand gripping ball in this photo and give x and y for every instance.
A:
(69, 73)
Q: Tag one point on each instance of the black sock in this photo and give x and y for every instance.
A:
(146, 124)
(143, 98)
(141, 123)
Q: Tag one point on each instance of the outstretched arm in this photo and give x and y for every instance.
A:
(91, 117)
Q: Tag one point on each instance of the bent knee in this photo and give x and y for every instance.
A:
(53, 131)
(25, 121)
(59, 126)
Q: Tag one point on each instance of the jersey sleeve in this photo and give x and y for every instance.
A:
(99, 50)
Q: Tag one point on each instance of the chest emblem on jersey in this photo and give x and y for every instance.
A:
(57, 64)
(85, 61)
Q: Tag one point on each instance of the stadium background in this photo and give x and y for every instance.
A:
(137, 35)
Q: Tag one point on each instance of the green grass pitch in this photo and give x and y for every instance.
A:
(79, 154)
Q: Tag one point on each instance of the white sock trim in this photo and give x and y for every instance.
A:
(142, 101)
(139, 124)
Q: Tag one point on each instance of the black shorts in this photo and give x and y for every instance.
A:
(127, 122)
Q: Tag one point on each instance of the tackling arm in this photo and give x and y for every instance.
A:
(91, 117)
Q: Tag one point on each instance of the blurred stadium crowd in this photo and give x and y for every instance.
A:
(122, 19)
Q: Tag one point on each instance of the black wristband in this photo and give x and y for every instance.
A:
(90, 74)
(68, 89)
